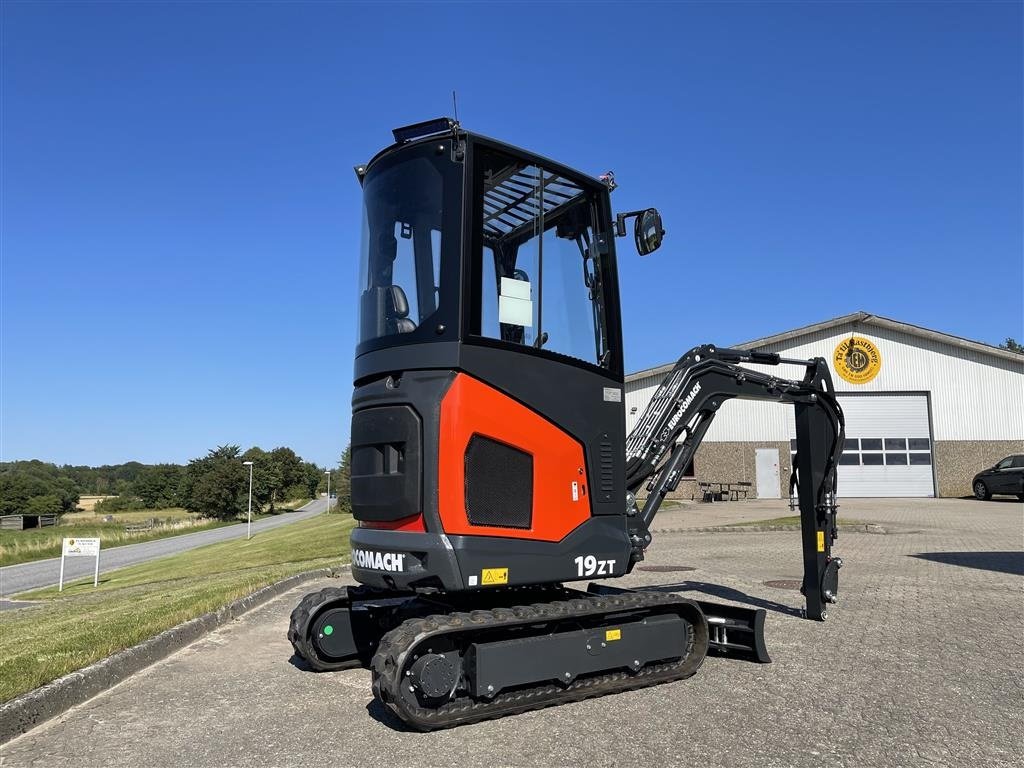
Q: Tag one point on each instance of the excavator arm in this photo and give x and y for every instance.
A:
(678, 416)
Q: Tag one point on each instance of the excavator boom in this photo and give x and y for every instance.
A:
(671, 428)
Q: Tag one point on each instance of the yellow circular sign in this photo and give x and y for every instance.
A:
(857, 360)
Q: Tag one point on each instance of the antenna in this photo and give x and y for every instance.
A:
(455, 106)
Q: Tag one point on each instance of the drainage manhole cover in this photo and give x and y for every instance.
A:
(665, 568)
(784, 584)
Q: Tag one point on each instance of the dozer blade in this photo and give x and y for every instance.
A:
(734, 632)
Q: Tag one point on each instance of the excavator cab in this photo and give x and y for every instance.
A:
(488, 413)
(469, 240)
(490, 465)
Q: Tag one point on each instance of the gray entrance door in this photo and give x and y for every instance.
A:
(766, 466)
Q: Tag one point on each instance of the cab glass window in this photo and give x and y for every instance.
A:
(541, 270)
(410, 243)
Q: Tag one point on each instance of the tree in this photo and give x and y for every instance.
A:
(1012, 345)
(23, 481)
(313, 475)
(266, 478)
(289, 467)
(44, 505)
(217, 484)
(16, 489)
(158, 486)
(341, 481)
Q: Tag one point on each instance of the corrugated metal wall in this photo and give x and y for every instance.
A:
(974, 396)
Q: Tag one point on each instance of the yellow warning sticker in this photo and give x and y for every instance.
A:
(494, 576)
(821, 541)
(612, 634)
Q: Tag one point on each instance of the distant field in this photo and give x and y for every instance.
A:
(135, 516)
(84, 624)
(41, 543)
(87, 503)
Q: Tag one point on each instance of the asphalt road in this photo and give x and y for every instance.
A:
(43, 573)
(918, 665)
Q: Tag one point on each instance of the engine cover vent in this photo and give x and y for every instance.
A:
(499, 484)
(606, 461)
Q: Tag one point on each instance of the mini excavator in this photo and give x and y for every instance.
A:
(490, 461)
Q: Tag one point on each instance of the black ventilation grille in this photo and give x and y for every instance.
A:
(499, 484)
(607, 468)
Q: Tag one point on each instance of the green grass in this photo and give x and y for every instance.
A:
(293, 504)
(84, 624)
(41, 543)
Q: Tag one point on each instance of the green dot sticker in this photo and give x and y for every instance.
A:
(328, 629)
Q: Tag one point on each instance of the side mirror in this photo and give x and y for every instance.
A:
(648, 232)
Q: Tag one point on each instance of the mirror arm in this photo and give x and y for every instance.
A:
(620, 221)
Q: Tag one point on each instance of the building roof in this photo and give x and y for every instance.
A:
(860, 318)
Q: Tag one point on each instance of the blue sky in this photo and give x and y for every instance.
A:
(180, 220)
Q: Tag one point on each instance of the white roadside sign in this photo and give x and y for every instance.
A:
(80, 548)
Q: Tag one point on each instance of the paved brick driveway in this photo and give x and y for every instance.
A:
(920, 664)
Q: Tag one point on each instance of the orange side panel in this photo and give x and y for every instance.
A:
(472, 408)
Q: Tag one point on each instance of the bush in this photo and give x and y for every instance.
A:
(43, 505)
(118, 504)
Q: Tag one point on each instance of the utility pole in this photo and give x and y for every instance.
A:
(248, 528)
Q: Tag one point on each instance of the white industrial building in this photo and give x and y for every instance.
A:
(924, 411)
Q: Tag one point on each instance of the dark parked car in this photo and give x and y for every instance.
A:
(1006, 477)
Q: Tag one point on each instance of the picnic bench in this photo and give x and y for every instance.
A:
(139, 527)
(716, 491)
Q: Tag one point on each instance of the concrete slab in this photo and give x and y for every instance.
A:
(920, 664)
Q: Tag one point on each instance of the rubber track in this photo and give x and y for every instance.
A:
(389, 663)
(302, 618)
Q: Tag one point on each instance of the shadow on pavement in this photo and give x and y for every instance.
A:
(300, 663)
(1008, 498)
(386, 717)
(1003, 562)
(726, 593)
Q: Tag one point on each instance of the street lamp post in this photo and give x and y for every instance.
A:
(328, 473)
(248, 526)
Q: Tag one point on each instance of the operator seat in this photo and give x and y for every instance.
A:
(398, 310)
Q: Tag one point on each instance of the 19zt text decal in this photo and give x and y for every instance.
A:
(591, 566)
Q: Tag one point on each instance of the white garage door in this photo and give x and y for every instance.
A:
(888, 449)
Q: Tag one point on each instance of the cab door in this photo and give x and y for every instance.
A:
(542, 317)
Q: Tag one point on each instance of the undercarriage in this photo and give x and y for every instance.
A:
(439, 660)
